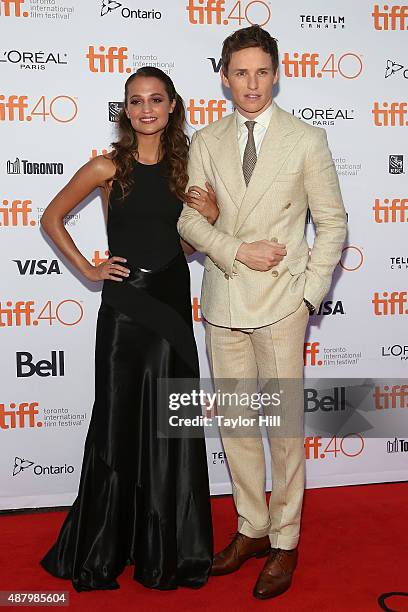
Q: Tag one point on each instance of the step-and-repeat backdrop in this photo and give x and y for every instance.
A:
(63, 64)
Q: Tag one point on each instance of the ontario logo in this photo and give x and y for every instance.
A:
(21, 465)
(109, 6)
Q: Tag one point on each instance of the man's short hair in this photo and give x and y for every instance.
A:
(254, 36)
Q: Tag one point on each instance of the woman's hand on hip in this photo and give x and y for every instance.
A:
(108, 270)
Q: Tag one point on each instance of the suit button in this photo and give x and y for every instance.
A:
(226, 276)
(288, 205)
(275, 273)
(274, 240)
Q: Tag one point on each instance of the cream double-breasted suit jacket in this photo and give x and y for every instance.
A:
(294, 171)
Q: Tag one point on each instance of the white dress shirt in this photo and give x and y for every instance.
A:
(260, 127)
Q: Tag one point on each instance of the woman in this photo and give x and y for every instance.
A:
(143, 499)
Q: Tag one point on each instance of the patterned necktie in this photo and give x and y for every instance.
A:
(249, 160)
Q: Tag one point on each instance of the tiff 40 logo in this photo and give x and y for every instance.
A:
(350, 445)
(27, 313)
(224, 12)
(311, 65)
(62, 109)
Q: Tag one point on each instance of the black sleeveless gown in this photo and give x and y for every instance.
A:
(143, 499)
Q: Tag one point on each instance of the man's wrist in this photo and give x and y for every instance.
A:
(310, 306)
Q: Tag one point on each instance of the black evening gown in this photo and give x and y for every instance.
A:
(143, 499)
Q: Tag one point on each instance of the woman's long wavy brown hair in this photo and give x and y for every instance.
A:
(174, 142)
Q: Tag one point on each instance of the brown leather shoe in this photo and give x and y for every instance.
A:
(276, 575)
(240, 549)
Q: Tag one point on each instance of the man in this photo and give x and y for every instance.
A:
(260, 282)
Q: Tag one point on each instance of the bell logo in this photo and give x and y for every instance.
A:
(396, 212)
(310, 352)
(26, 366)
(385, 398)
(16, 213)
(19, 416)
(110, 60)
(390, 18)
(205, 112)
(390, 115)
(309, 65)
(390, 304)
(9, 8)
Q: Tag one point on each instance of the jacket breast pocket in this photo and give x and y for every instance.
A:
(288, 177)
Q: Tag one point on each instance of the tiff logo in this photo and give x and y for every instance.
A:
(19, 314)
(19, 416)
(205, 112)
(14, 108)
(390, 18)
(111, 60)
(390, 304)
(310, 353)
(17, 214)
(385, 398)
(396, 212)
(390, 116)
(9, 8)
(312, 445)
(206, 12)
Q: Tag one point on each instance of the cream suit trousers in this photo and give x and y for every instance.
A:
(271, 352)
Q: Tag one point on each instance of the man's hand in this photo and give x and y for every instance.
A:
(261, 255)
(204, 202)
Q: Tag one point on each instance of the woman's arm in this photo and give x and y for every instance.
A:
(95, 173)
(205, 202)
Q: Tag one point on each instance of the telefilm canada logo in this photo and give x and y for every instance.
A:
(24, 166)
(110, 6)
(322, 22)
(33, 59)
(396, 164)
(399, 263)
(21, 465)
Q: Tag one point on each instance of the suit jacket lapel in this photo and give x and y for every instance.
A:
(223, 147)
(280, 138)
